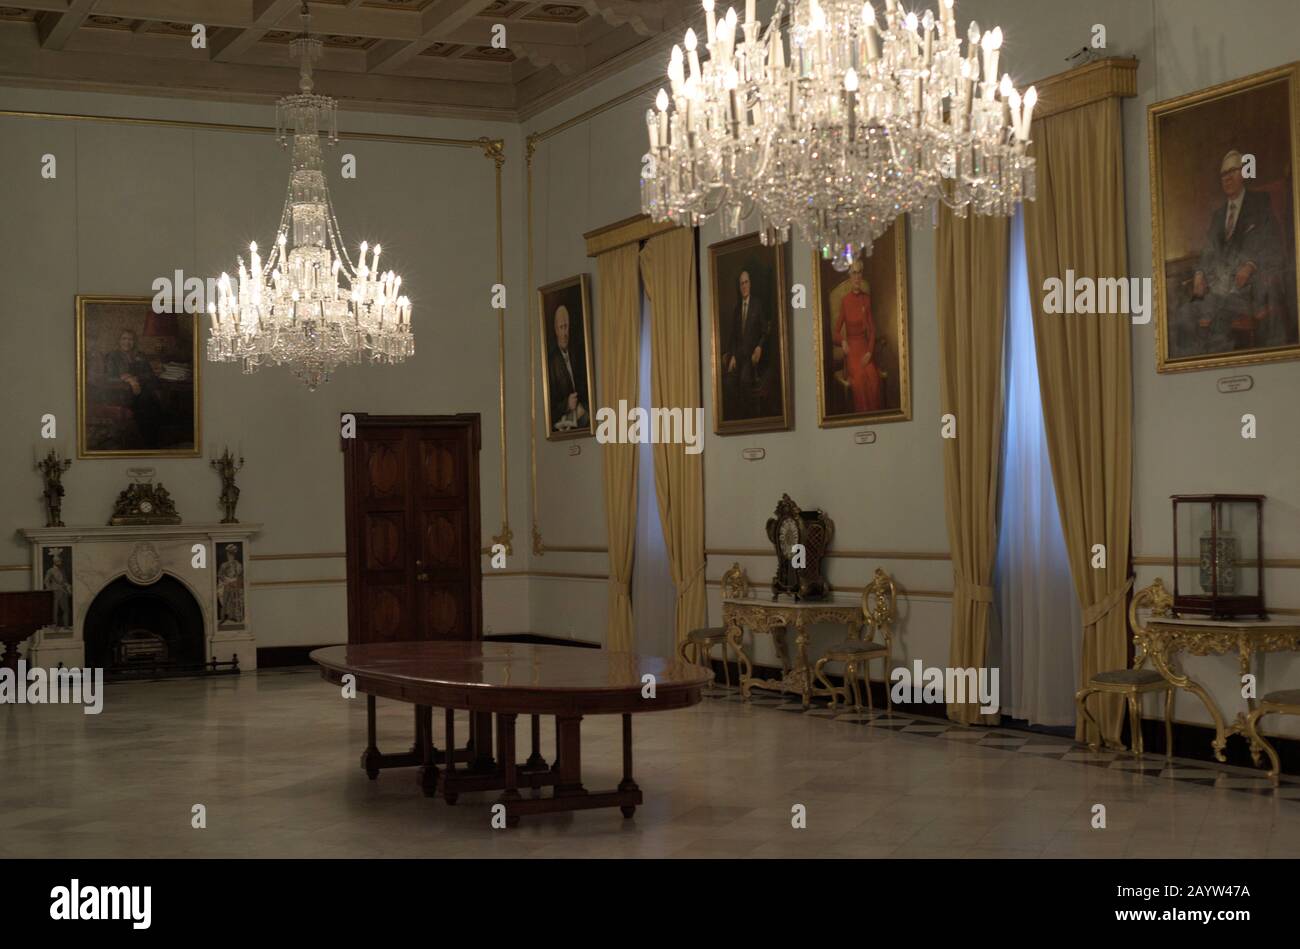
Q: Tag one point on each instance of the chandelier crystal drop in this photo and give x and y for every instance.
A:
(308, 306)
(872, 115)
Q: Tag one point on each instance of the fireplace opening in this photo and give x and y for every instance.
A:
(136, 632)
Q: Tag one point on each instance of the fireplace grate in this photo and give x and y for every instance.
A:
(173, 670)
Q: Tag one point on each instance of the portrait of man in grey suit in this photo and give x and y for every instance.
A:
(1238, 297)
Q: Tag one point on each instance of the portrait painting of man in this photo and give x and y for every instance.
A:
(1225, 202)
(137, 379)
(567, 380)
(860, 322)
(751, 371)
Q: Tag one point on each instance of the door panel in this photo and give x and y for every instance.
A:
(442, 469)
(444, 540)
(385, 548)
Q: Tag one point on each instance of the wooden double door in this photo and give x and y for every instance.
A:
(412, 523)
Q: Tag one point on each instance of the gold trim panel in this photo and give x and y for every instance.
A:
(1270, 563)
(849, 554)
(230, 127)
(323, 556)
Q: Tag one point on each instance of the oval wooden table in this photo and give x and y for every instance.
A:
(506, 680)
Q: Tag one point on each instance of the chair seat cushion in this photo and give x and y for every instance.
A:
(707, 633)
(1285, 697)
(855, 647)
(1128, 677)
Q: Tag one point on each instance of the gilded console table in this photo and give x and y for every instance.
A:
(1164, 637)
(775, 617)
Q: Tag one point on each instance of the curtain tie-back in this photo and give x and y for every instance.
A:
(693, 579)
(621, 588)
(1095, 613)
(975, 592)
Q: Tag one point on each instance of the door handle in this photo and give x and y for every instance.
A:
(419, 571)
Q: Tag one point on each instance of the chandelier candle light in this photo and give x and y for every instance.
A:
(873, 116)
(307, 306)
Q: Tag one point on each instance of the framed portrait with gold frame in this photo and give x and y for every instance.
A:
(860, 330)
(1225, 213)
(751, 337)
(568, 374)
(138, 383)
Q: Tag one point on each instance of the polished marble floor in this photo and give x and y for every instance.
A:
(273, 757)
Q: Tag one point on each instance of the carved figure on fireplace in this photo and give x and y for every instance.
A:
(58, 583)
(230, 588)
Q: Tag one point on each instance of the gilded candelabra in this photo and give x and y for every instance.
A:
(227, 467)
(52, 468)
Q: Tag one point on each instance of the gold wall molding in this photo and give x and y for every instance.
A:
(321, 556)
(1102, 79)
(1270, 563)
(492, 148)
(857, 590)
(848, 554)
(310, 582)
(15, 567)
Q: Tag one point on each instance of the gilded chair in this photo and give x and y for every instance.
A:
(879, 600)
(735, 585)
(1133, 683)
(1273, 703)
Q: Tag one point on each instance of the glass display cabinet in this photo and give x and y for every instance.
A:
(1219, 554)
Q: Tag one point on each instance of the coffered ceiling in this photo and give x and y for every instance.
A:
(433, 57)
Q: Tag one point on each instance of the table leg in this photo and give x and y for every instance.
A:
(426, 776)
(1245, 654)
(506, 752)
(745, 668)
(627, 784)
(370, 757)
(805, 672)
(1161, 659)
(481, 728)
(535, 760)
(568, 739)
(449, 767)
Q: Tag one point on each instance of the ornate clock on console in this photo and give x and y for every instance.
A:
(788, 527)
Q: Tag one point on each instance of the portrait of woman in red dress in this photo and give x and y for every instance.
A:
(855, 336)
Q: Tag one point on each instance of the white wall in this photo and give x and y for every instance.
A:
(134, 202)
(888, 496)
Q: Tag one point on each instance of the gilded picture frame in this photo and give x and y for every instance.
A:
(1247, 309)
(881, 391)
(139, 380)
(751, 387)
(565, 340)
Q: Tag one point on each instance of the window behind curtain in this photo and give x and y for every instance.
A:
(1038, 612)
(654, 597)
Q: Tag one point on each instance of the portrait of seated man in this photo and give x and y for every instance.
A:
(1238, 295)
(137, 378)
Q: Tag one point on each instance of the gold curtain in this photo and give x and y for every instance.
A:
(620, 331)
(971, 259)
(1084, 370)
(668, 272)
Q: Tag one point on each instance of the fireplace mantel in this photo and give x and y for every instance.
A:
(93, 556)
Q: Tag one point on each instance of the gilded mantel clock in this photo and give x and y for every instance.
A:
(801, 539)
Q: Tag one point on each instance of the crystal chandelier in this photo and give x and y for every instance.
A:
(871, 117)
(308, 306)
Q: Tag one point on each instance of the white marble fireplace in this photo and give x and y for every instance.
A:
(91, 560)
